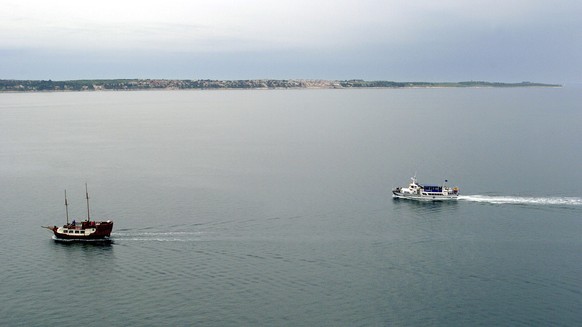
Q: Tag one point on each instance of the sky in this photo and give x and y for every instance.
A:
(396, 40)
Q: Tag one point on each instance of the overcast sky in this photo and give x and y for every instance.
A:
(401, 40)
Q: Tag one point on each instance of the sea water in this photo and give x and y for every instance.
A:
(253, 208)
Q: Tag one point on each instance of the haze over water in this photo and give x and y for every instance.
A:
(239, 208)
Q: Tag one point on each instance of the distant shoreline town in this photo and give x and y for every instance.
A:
(207, 84)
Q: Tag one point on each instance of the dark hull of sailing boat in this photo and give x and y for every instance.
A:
(87, 230)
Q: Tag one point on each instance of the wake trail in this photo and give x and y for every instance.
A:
(161, 236)
(523, 200)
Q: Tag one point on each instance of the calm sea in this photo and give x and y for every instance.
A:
(273, 208)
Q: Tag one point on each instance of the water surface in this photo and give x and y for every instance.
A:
(273, 207)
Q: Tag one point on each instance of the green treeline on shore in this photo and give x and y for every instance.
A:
(151, 84)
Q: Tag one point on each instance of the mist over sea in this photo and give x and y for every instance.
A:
(274, 208)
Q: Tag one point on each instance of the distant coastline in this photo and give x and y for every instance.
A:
(206, 84)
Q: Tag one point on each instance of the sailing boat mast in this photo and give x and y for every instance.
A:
(66, 207)
(87, 196)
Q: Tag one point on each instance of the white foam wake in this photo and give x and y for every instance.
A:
(566, 201)
(168, 236)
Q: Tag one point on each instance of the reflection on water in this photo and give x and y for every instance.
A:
(84, 250)
(424, 207)
(85, 243)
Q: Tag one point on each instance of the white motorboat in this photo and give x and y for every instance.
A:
(417, 191)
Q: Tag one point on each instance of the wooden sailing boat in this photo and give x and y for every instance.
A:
(84, 230)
